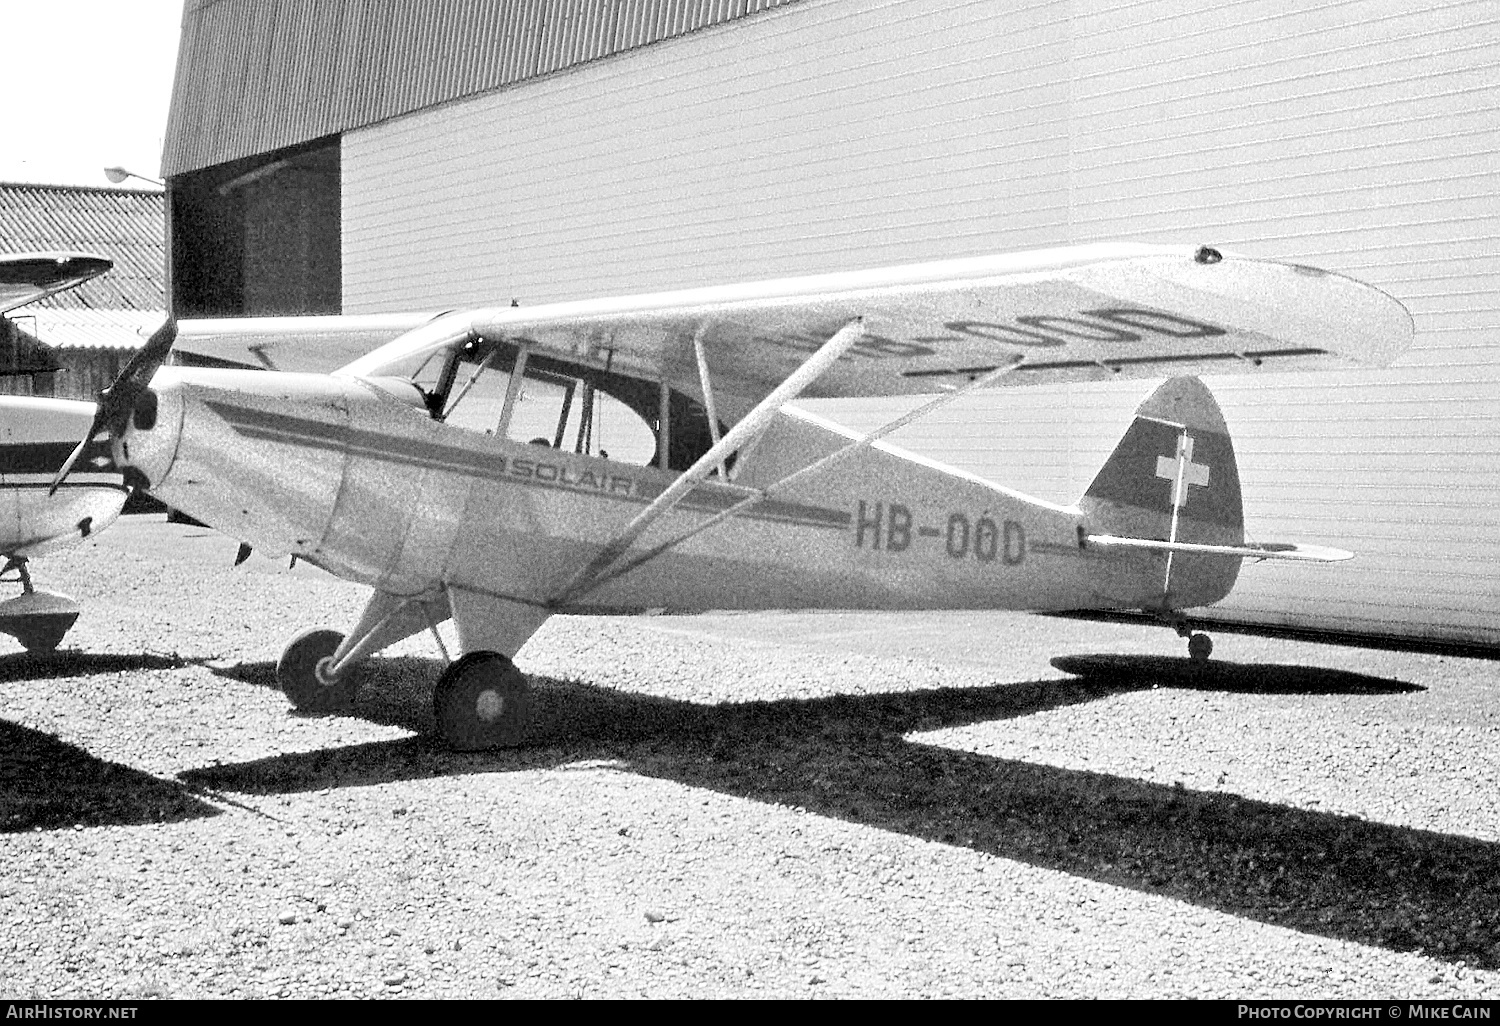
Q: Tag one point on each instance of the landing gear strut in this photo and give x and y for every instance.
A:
(482, 701)
(303, 673)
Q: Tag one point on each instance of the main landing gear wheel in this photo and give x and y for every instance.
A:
(302, 672)
(1200, 647)
(482, 701)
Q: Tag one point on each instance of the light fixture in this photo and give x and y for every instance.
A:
(119, 174)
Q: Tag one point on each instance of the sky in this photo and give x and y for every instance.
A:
(95, 81)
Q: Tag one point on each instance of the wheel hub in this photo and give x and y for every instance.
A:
(323, 672)
(489, 706)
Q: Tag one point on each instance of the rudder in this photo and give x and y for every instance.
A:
(1172, 477)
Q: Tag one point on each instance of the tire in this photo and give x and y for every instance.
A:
(482, 701)
(297, 673)
(1200, 647)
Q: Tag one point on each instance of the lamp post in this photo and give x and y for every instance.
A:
(119, 174)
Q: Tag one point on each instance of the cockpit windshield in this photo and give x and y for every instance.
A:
(504, 388)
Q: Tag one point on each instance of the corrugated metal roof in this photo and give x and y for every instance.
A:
(90, 329)
(126, 225)
(255, 76)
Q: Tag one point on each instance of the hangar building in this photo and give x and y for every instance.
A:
(377, 156)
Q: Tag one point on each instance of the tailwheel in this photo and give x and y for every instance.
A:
(1200, 647)
(482, 701)
(302, 672)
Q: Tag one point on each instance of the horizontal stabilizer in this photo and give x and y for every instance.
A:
(1270, 550)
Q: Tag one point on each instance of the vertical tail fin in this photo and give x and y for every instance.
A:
(1173, 477)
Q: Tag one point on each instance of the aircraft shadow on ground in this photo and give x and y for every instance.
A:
(846, 757)
(46, 783)
(19, 666)
(1140, 671)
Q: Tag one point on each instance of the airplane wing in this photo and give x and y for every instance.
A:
(1084, 313)
(27, 277)
(305, 345)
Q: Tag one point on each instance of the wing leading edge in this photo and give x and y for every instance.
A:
(305, 345)
(1078, 314)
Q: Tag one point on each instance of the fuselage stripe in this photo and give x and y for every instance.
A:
(314, 434)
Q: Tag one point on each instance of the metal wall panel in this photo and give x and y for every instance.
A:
(816, 138)
(261, 75)
(837, 134)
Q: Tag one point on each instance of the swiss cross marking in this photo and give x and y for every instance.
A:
(1181, 470)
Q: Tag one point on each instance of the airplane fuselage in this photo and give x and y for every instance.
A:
(358, 479)
(36, 436)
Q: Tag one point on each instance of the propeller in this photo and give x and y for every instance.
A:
(117, 401)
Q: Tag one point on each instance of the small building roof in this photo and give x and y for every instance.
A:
(126, 225)
(89, 329)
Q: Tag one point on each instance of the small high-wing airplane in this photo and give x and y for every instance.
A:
(457, 470)
(35, 436)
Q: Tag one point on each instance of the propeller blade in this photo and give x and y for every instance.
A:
(153, 354)
(78, 449)
(118, 399)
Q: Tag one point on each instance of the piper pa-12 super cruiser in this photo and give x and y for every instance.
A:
(433, 471)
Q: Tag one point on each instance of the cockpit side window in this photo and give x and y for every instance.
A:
(573, 407)
(475, 395)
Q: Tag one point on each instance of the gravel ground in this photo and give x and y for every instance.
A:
(778, 805)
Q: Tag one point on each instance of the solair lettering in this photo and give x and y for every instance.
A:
(550, 473)
(588, 479)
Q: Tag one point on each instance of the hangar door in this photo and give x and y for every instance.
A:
(260, 236)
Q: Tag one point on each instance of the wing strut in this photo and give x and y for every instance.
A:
(760, 495)
(708, 391)
(513, 391)
(664, 424)
(748, 427)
